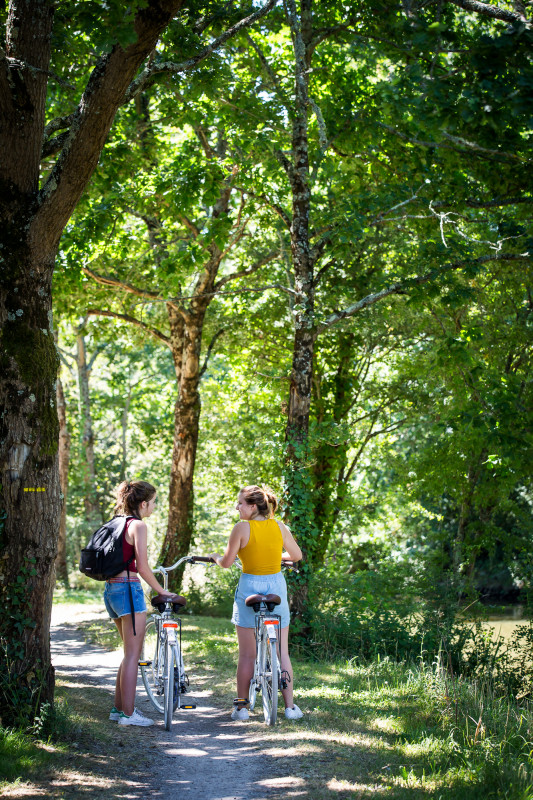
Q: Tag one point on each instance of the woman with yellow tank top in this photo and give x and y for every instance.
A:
(261, 542)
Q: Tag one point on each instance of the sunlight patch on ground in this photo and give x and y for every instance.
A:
(285, 782)
(350, 739)
(387, 724)
(345, 786)
(286, 752)
(67, 779)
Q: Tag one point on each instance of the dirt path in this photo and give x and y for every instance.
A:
(206, 756)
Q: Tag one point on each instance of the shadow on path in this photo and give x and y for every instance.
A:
(205, 756)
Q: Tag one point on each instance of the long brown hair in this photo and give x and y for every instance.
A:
(261, 496)
(130, 495)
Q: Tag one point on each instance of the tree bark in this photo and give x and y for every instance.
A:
(298, 479)
(64, 457)
(90, 498)
(180, 527)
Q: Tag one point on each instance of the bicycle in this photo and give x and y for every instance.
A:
(268, 677)
(163, 675)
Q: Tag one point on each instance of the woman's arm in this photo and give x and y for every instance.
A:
(240, 530)
(292, 551)
(139, 533)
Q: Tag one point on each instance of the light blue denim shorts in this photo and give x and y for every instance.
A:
(259, 584)
(117, 598)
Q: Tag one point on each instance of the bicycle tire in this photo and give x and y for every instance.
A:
(179, 676)
(269, 679)
(152, 675)
(169, 685)
(252, 693)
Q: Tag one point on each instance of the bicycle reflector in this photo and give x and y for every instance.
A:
(271, 621)
(170, 624)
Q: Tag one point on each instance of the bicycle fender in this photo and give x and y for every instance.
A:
(272, 629)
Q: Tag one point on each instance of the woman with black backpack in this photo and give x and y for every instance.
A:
(136, 500)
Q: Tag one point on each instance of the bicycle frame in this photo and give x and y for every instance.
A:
(267, 677)
(164, 675)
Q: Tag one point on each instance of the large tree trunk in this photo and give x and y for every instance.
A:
(30, 499)
(31, 224)
(64, 457)
(297, 474)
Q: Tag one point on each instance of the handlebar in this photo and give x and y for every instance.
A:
(290, 565)
(201, 559)
(189, 559)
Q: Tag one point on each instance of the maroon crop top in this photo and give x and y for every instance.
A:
(128, 550)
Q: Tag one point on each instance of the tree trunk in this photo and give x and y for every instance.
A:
(186, 331)
(30, 493)
(64, 456)
(124, 432)
(180, 528)
(90, 497)
(31, 223)
(298, 479)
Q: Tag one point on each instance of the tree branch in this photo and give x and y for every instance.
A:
(107, 280)
(274, 79)
(403, 287)
(493, 12)
(473, 148)
(496, 203)
(266, 259)
(212, 343)
(92, 122)
(133, 320)
(57, 124)
(151, 71)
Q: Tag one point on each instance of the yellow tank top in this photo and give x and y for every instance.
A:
(262, 554)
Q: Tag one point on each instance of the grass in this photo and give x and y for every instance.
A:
(401, 731)
(405, 731)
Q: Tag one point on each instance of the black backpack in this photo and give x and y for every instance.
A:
(103, 556)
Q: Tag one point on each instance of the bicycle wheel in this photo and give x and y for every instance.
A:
(252, 693)
(269, 679)
(168, 681)
(152, 671)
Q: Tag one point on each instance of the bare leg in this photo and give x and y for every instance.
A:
(286, 666)
(126, 684)
(118, 696)
(245, 668)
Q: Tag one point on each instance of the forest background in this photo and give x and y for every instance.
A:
(287, 243)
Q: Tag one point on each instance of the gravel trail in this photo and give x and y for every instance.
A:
(205, 756)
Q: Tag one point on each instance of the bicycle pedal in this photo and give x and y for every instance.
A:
(145, 663)
(188, 706)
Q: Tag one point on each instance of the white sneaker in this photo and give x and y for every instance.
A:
(114, 714)
(135, 719)
(294, 713)
(240, 714)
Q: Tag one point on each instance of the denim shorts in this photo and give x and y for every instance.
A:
(117, 598)
(259, 584)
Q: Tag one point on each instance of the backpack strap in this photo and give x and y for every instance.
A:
(131, 597)
(129, 582)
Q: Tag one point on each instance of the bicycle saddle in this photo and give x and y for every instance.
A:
(160, 600)
(270, 600)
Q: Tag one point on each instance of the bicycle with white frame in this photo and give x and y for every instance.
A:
(268, 678)
(163, 674)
